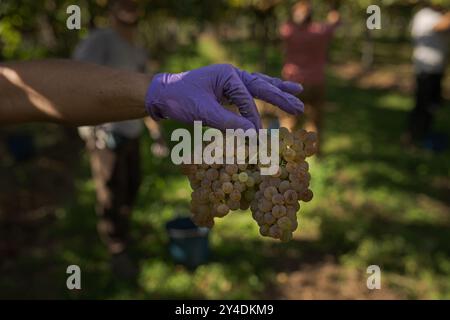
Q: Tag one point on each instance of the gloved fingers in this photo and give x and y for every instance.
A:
(218, 117)
(286, 86)
(236, 91)
(263, 90)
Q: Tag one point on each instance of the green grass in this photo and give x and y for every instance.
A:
(375, 203)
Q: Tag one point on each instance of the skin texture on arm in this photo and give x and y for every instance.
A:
(69, 92)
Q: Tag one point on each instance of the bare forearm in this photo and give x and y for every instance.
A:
(69, 92)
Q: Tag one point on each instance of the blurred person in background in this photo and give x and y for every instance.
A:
(430, 34)
(305, 54)
(114, 147)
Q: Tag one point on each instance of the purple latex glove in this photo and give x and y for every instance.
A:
(197, 94)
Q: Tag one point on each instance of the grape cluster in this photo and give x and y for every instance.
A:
(273, 200)
(217, 189)
(276, 202)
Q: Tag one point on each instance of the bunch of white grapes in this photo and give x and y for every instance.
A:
(276, 202)
(273, 200)
(219, 189)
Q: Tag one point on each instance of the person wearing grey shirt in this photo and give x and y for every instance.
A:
(430, 34)
(114, 147)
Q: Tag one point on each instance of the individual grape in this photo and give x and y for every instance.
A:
(277, 199)
(275, 182)
(235, 177)
(219, 194)
(216, 185)
(290, 197)
(291, 212)
(284, 223)
(298, 186)
(213, 198)
(254, 206)
(225, 177)
(310, 137)
(297, 146)
(264, 230)
(307, 195)
(212, 174)
(278, 211)
(227, 187)
(231, 169)
(233, 205)
(289, 154)
(269, 192)
(288, 139)
(269, 218)
(284, 186)
(300, 155)
(202, 195)
(294, 176)
(310, 150)
(205, 183)
(303, 166)
(284, 173)
(291, 167)
(243, 177)
(222, 210)
(257, 215)
(195, 184)
(200, 175)
(300, 134)
(263, 186)
(265, 205)
(296, 206)
(203, 210)
(250, 182)
(242, 167)
(256, 176)
(235, 195)
(274, 231)
(283, 132)
(239, 186)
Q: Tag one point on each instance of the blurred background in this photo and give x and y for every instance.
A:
(376, 199)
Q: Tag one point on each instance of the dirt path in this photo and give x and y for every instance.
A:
(327, 280)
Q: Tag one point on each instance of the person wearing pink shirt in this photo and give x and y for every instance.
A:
(305, 56)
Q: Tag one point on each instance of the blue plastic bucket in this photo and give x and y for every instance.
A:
(189, 244)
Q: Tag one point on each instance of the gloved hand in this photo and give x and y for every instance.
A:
(197, 94)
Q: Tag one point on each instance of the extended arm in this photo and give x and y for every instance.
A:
(69, 92)
(79, 93)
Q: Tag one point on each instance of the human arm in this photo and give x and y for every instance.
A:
(80, 94)
(69, 92)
